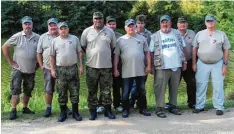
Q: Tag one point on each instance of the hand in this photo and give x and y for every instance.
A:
(116, 73)
(42, 67)
(184, 66)
(53, 73)
(81, 70)
(195, 67)
(14, 64)
(224, 70)
(148, 70)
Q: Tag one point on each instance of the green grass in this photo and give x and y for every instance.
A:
(37, 102)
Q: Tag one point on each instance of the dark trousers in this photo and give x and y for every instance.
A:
(189, 78)
(140, 87)
(117, 84)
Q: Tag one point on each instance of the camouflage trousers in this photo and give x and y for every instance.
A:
(103, 77)
(16, 81)
(67, 79)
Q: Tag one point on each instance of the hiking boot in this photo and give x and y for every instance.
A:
(108, 113)
(75, 112)
(26, 110)
(63, 113)
(48, 112)
(13, 114)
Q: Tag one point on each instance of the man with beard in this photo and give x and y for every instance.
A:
(167, 50)
(43, 59)
(211, 46)
(117, 81)
(23, 64)
(133, 50)
(99, 41)
(65, 52)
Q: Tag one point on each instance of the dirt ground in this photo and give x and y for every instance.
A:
(188, 123)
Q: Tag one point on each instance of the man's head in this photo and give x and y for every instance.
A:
(111, 22)
(52, 26)
(140, 22)
(210, 21)
(165, 23)
(27, 24)
(98, 20)
(63, 29)
(182, 23)
(130, 26)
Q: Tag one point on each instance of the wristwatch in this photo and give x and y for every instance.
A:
(225, 63)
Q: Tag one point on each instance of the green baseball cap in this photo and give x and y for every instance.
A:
(97, 15)
(141, 17)
(210, 17)
(26, 19)
(110, 18)
(62, 24)
(182, 19)
(165, 17)
(52, 20)
(130, 21)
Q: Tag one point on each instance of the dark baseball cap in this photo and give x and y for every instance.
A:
(52, 20)
(97, 15)
(62, 24)
(182, 19)
(110, 18)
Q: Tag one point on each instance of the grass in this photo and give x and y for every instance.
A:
(37, 102)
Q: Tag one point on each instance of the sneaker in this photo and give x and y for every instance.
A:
(198, 110)
(26, 110)
(119, 109)
(145, 112)
(100, 110)
(167, 106)
(13, 114)
(125, 113)
(219, 112)
(48, 112)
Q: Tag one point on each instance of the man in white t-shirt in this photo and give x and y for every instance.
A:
(167, 50)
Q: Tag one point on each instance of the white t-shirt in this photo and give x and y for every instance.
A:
(170, 52)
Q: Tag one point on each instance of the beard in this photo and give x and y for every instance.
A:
(166, 30)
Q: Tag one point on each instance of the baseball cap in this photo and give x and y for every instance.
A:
(97, 15)
(62, 24)
(110, 18)
(130, 21)
(52, 20)
(210, 17)
(182, 19)
(165, 17)
(26, 19)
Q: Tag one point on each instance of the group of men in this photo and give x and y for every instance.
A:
(120, 62)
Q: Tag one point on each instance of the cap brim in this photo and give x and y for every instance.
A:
(97, 17)
(164, 19)
(183, 21)
(111, 20)
(27, 21)
(132, 23)
(63, 26)
(52, 22)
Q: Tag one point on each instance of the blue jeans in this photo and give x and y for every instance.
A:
(140, 88)
(202, 78)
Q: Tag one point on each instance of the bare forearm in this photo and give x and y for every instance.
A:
(185, 54)
(194, 57)
(40, 59)
(226, 55)
(5, 50)
(81, 58)
(148, 57)
(116, 61)
(52, 62)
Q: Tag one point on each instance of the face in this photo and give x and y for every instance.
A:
(165, 26)
(27, 27)
(112, 25)
(182, 25)
(98, 22)
(53, 28)
(130, 29)
(64, 31)
(210, 23)
(140, 25)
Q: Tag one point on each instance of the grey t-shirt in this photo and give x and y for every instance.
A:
(25, 50)
(98, 46)
(44, 48)
(210, 47)
(132, 53)
(147, 34)
(188, 39)
(65, 50)
(117, 35)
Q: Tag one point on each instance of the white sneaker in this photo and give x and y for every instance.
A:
(100, 110)
(119, 109)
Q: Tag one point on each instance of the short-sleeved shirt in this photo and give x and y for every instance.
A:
(210, 47)
(98, 45)
(147, 34)
(65, 50)
(44, 48)
(25, 51)
(132, 52)
(188, 39)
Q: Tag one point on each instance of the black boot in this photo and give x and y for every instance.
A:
(93, 114)
(13, 114)
(63, 113)
(75, 112)
(108, 113)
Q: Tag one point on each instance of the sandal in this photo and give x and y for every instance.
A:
(160, 113)
(175, 111)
